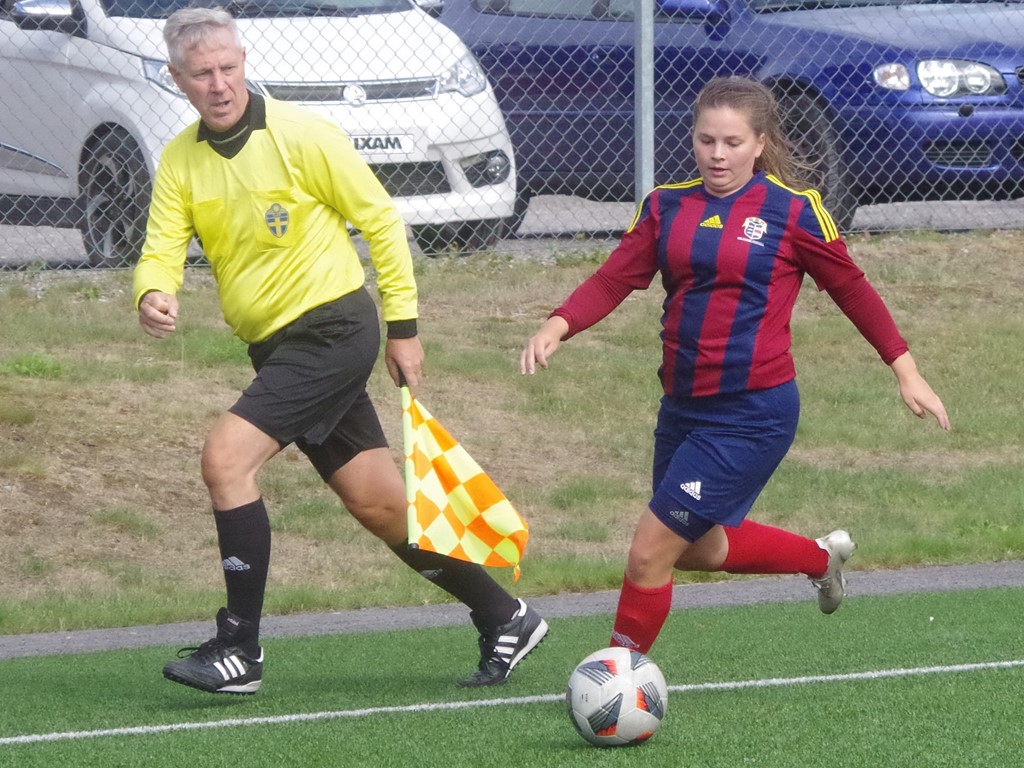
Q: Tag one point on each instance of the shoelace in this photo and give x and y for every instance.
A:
(214, 647)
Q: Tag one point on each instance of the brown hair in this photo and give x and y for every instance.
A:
(758, 103)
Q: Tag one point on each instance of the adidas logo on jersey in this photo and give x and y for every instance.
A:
(691, 489)
(715, 222)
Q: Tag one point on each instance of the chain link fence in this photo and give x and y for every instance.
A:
(492, 120)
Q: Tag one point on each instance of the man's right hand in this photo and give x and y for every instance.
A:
(158, 313)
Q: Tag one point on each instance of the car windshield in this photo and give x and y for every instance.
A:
(256, 9)
(771, 6)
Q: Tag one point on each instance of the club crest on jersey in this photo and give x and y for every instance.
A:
(277, 219)
(753, 230)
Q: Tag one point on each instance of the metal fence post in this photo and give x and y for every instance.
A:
(643, 119)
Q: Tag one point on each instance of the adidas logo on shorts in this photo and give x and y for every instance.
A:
(691, 489)
(682, 515)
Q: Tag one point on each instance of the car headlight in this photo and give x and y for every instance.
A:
(158, 73)
(465, 77)
(951, 77)
(945, 78)
(892, 77)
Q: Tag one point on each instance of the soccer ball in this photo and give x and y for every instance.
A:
(616, 697)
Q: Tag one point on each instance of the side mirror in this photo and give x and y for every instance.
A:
(47, 15)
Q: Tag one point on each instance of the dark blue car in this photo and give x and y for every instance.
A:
(889, 100)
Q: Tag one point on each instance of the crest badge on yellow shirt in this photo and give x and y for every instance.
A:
(277, 219)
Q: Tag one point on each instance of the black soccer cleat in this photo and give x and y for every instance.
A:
(501, 648)
(220, 665)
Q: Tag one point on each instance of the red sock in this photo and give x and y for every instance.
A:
(756, 548)
(640, 615)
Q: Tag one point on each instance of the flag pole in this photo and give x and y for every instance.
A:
(407, 445)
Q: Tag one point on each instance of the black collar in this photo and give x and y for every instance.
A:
(229, 143)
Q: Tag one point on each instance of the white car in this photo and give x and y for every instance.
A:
(88, 105)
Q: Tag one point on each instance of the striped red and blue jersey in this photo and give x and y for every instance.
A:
(731, 268)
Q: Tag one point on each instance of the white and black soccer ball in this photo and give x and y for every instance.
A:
(616, 697)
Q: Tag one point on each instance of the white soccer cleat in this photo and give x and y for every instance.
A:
(832, 586)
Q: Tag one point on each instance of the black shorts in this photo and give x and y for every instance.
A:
(310, 384)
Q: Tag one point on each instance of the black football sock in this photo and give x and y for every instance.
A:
(243, 534)
(490, 604)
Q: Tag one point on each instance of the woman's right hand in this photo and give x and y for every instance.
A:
(542, 345)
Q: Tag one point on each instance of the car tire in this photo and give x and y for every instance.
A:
(434, 239)
(814, 142)
(513, 223)
(459, 238)
(115, 191)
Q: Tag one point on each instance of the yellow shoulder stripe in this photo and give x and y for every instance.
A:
(825, 220)
(679, 185)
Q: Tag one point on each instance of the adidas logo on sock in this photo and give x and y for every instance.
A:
(692, 489)
(234, 564)
(715, 222)
(625, 641)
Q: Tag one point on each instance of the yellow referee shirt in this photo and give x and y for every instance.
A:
(272, 221)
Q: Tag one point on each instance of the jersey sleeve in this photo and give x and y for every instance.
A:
(169, 232)
(348, 184)
(631, 266)
(825, 257)
(860, 302)
(820, 250)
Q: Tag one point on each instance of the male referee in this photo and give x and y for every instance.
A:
(269, 189)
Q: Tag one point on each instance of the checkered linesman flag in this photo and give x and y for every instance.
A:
(454, 508)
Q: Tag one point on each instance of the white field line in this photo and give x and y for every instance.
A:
(143, 730)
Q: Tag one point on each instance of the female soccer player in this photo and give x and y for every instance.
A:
(732, 247)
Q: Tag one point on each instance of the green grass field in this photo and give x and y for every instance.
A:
(911, 680)
(104, 523)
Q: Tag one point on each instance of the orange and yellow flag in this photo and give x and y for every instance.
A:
(455, 509)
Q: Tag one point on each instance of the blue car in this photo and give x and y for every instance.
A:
(887, 100)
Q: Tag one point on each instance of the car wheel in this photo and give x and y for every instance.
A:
(434, 239)
(515, 221)
(814, 142)
(459, 238)
(115, 189)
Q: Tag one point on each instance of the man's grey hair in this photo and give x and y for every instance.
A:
(188, 27)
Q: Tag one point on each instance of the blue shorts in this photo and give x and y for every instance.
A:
(714, 455)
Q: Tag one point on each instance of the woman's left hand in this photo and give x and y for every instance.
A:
(916, 393)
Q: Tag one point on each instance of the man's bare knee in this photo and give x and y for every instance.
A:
(233, 453)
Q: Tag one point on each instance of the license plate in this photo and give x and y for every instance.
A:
(395, 144)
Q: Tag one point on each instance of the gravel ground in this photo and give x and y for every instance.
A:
(557, 222)
(734, 592)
